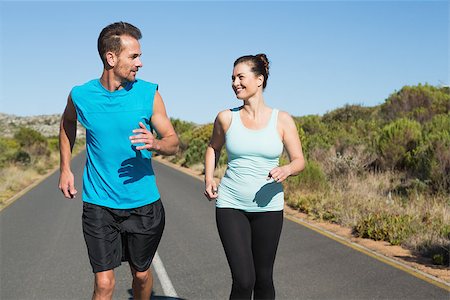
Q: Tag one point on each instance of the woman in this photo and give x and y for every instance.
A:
(250, 199)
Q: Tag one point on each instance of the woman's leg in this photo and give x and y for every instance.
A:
(235, 234)
(266, 230)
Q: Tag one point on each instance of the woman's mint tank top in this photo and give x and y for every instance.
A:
(252, 154)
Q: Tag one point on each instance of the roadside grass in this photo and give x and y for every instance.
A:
(418, 222)
(15, 177)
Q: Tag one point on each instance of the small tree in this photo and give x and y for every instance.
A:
(397, 141)
(32, 141)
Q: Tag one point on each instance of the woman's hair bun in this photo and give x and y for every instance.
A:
(265, 61)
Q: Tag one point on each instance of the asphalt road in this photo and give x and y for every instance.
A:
(43, 255)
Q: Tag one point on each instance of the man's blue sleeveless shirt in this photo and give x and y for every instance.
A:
(116, 175)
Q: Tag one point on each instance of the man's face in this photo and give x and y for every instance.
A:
(129, 60)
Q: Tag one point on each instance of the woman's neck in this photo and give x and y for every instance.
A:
(255, 107)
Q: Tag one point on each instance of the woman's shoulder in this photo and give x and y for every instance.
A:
(284, 116)
(285, 120)
(225, 117)
(224, 113)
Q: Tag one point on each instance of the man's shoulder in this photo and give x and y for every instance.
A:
(87, 85)
(144, 83)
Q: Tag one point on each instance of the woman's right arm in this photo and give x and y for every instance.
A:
(212, 154)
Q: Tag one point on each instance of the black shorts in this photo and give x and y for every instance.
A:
(116, 235)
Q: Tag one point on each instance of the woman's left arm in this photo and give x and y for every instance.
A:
(293, 146)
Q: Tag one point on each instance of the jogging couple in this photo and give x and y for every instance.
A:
(123, 217)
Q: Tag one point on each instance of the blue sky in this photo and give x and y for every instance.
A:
(323, 54)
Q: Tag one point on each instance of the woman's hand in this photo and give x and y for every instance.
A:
(211, 189)
(279, 174)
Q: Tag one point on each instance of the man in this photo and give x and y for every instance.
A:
(123, 217)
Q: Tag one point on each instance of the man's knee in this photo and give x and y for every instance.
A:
(142, 277)
(104, 283)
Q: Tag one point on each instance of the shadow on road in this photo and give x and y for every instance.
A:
(155, 297)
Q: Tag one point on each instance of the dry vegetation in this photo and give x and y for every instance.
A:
(26, 156)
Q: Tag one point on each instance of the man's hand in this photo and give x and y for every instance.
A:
(144, 136)
(66, 184)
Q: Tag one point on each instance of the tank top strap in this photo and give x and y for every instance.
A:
(274, 118)
(235, 118)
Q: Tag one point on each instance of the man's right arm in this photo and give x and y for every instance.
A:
(67, 136)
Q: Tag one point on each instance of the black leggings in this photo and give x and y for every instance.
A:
(250, 241)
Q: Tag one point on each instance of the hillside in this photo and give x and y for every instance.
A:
(47, 125)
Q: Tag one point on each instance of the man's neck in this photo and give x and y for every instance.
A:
(110, 83)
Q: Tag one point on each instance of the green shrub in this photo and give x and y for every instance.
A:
(32, 141)
(312, 178)
(397, 141)
(383, 226)
(197, 144)
(182, 126)
(305, 203)
(348, 114)
(430, 161)
(8, 149)
(421, 103)
(28, 137)
(314, 134)
(53, 144)
(195, 152)
(22, 157)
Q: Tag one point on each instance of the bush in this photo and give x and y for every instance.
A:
(182, 126)
(349, 114)
(22, 157)
(8, 149)
(32, 141)
(420, 103)
(397, 141)
(312, 178)
(313, 133)
(305, 203)
(197, 144)
(53, 144)
(430, 161)
(383, 226)
(352, 163)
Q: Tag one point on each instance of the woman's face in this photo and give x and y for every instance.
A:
(244, 82)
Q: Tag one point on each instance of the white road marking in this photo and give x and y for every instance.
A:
(164, 279)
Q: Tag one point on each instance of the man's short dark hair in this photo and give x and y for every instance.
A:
(109, 38)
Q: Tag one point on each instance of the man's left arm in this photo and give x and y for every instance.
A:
(168, 142)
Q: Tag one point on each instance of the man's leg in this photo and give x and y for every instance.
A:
(142, 284)
(104, 285)
(103, 242)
